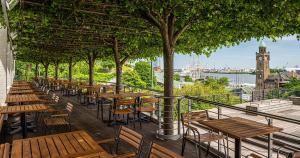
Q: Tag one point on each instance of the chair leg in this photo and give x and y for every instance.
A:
(140, 120)
(224, 145)
(183, 146)
(198, 148)
(127, 118)
(207, 150)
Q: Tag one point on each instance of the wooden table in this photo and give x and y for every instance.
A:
(23, 109)
(103, 96)
(23, 91)
(71, 144)
(239, 129)
(22, 98)
(21, 88)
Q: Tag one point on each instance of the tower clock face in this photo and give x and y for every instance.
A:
(260, 58)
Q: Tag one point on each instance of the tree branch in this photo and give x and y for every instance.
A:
(180, 31)
(152, 19)
(125, 59)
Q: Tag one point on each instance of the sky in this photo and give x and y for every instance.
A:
(285, 52)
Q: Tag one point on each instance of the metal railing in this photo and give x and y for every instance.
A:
(179, 107)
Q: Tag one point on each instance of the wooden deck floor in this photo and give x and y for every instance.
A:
(84, 118)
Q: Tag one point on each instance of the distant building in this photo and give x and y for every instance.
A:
(262, 67)
(264, 79)
(157, 69)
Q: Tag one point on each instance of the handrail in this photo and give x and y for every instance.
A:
(244, 110)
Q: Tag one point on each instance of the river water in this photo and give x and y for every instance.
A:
(234, 79)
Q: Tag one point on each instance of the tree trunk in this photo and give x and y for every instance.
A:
(56, 70)
(118, 67)
(70, 70)
(46, 71)
(168, 81)
(91, 69)
(36, 71)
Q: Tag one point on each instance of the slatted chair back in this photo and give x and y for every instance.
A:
(194, 116)
(149, 101)
(53, 96)
(56, 99)
(125, 102)
(157, 151)
(131, 137)
(69, 107)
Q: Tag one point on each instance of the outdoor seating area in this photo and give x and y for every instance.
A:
(59, 125)
(77, 79)
(55, 134)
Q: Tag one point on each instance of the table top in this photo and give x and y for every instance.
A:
(122, 95)
(71, 144)
(21, 88)
(23, 108)
(21, 98)
(240, 128)
(22, 91)
(20, 84)
(98, 155)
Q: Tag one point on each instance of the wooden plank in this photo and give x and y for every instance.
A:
(51, 146)
(67, 144)
(16, 151)
(43, 148)
(90, 141)
(82, 142)
(2, 146)
(60, 146)
(26, 149)
(35, 148)
(75, 143)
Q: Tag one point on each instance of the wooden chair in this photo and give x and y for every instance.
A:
(4, 150)
(193, 135)
(122, 107)
(147, 105)
(91, 94)
(157, 151)
(128, 136)
(59, 118)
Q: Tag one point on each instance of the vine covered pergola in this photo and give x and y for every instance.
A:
(64, 31)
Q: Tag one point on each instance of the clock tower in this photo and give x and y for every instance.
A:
(262, 66)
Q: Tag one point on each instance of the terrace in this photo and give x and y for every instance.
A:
(84, 114)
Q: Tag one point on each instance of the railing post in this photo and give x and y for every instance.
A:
(219, 117)
(270, 139)
(158, 117)
(178, 116)
(189, 105)
(241, 97)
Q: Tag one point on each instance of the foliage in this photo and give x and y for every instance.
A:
(131, 77)
(276, 70)
(216, 83)
(176, 77)
(293, 87)
(188, 79)
(144, 70)
(211, 90)
(79, 71)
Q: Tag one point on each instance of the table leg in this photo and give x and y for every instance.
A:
(102, 109)
(24, 125)
(98, 109)
(237, 149)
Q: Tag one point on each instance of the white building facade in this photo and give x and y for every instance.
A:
(7, 66)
